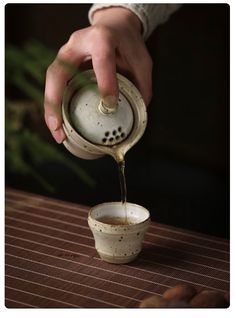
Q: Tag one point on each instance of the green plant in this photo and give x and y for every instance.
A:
(27, 144)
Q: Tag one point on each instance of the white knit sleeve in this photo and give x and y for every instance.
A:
(150, 15)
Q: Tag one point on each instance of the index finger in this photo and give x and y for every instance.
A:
(104, 65)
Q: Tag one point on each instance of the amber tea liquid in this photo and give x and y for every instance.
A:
(123, 188)
(116, 220)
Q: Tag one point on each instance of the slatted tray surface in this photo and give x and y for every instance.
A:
(51, 261)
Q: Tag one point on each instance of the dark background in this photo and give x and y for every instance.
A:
(180, 168)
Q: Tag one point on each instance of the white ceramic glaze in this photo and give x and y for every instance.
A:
(95, 126)
(118, 244)
(134, 120)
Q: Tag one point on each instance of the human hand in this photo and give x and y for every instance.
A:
(113, 43)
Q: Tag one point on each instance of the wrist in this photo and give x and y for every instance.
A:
(117, 16)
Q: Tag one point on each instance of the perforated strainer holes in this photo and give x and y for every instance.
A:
(111, 137)
(105, 139)
(122, 135)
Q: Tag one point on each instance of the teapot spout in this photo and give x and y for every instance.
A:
(118, 155)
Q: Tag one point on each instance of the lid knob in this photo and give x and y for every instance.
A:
(107, 105)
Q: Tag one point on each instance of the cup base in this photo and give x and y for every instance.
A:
(117, 259)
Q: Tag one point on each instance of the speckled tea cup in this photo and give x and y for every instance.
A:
(118, 230)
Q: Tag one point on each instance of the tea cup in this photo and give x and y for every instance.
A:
(118, 229)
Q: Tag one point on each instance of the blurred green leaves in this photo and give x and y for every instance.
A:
(27, 143)
(26, 68)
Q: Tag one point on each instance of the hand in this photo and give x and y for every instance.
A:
(113, 43)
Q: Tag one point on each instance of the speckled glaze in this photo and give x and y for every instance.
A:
(118, 244)
(81, 147)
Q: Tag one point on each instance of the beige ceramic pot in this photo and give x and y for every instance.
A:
(92, 133)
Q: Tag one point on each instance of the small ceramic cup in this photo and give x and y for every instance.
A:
(118, 230)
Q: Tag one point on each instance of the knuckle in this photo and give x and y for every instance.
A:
(101, 36)
(65, 52)
(101, 32)
(74, 37)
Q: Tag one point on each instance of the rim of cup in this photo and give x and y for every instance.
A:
(92, 218)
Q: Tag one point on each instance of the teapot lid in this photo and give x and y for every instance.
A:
(95, 125)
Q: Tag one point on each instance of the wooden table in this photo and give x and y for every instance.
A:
(51, 261)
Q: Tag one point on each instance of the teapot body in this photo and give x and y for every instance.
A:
(90, 134)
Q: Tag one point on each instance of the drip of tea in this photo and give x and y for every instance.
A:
(123, 188)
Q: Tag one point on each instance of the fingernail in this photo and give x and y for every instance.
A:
(59, 135)
(110, 102)
(52, 123)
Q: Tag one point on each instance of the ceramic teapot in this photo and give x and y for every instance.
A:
(93, 128)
